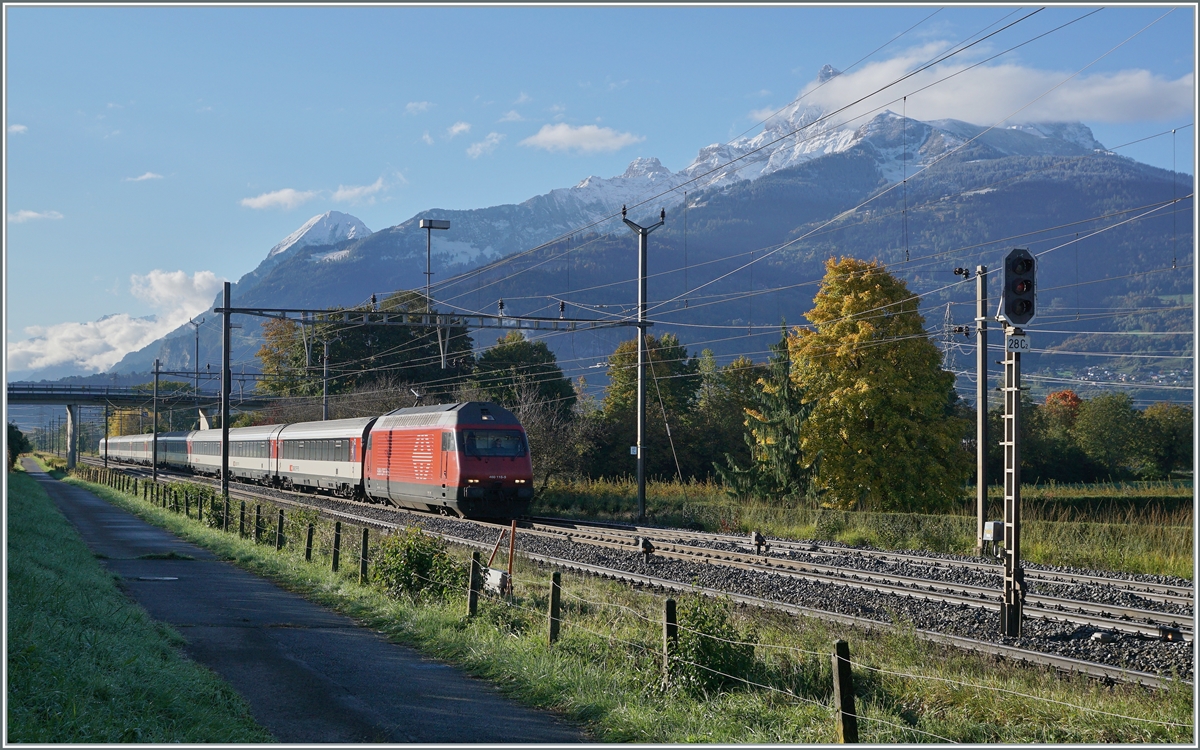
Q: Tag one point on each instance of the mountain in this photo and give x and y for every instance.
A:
(177, 350)
(923, 197)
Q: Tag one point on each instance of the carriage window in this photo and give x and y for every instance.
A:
(494, 443)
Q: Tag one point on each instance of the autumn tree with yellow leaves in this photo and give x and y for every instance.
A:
(882, 420)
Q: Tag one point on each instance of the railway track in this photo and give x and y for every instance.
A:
(1165, 593)
(619, 539)
(1102, 616)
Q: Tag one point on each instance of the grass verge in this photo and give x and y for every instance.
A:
(605, 671)
(1092, 526)
(86, 665)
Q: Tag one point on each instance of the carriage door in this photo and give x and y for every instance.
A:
(448, 448)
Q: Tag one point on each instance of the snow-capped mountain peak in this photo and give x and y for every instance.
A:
(323, 229)
(827, 72)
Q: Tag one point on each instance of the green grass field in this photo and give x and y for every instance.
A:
(86, 665)
(605, 671)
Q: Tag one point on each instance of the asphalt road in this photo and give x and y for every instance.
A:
(309, 674)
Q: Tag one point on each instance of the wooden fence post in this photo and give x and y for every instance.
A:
(843, 694)
(473, 585)
(670, 637)
(337, 543)
(308, 544)
(258, 523)
(362, 559)
(242, 520)
(279, 532)
(555, 604)
(225, 515)
(187, 503)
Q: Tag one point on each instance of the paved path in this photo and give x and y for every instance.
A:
(310, 675)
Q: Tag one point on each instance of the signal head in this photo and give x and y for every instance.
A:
(1019, 299)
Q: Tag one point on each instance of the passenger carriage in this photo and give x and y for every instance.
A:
(323, 455)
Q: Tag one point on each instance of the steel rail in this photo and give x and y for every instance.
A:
(1165, 593)
(1045, 607)
(1060, 663)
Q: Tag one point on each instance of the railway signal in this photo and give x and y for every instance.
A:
(1019, 291)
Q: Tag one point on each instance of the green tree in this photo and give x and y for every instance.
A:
(883, 416)
(17, 444)
(361, 355)
(672, 385)
(1165, 442)
(1106, 429)
(515, 363)
(717, 428)
(777, 469)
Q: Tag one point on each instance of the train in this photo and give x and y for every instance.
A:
(468, 459)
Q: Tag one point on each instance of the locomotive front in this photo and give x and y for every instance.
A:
(471, 459)
(495, 477)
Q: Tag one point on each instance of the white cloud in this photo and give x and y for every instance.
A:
(486, 146)
(758, 115)
(416, 108)
(523, 98)
(147, 176)
(286, 199)
(458, 128)
(585, 138)
(174, 292)
(426, 137)
(100, 344)
(18, 129)
(22, 216)
(512, 116)
(355, 193)
(991, 93)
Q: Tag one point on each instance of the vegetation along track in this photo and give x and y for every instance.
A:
(1087, 647)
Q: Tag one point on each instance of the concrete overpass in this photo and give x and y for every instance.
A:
(74, 396)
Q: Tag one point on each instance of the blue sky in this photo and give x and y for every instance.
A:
(151, 152)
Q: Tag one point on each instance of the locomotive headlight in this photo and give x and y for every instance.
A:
(519, 481)
(472, 481)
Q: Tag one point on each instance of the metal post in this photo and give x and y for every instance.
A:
(279, 532)
(106, 435)
(154, 449)
(196, 386)
(308, 544)
(226, 384)
(981, 405)
(1014, 574)
(72, 437)
(642, 233)
(325, 387)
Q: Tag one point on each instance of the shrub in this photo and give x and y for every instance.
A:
(411, 563)
(712, 653)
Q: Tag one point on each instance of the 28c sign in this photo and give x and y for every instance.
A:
(1018, 343)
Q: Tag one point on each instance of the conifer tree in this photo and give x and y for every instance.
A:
(778, 469)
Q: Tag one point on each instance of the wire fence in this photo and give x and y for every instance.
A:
(294, 530)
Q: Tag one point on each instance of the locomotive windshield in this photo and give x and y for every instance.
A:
(507, 443)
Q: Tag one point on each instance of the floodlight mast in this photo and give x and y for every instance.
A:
(429, 225)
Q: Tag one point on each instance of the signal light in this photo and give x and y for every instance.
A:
(1019, 300)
